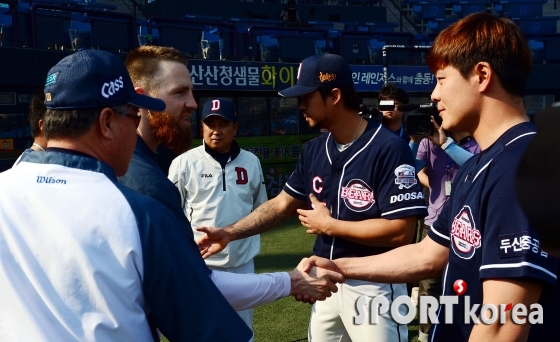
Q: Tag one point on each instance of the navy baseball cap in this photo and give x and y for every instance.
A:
(325, 70)
(92, 79)
(221, 107)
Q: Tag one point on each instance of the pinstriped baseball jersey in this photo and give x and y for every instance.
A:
(373, 178)
(489, 237)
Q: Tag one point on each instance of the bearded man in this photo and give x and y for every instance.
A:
(162, 72)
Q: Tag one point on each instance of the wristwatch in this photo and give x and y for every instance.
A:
(447, 142)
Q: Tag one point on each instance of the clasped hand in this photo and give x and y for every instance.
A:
(317, 220)
(315, 279)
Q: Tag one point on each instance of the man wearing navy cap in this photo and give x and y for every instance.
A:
(162, 71)
(360, 181)
(83, 257)
(219, 184)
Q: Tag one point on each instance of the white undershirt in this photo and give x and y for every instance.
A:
(341, 147)
(245, 291)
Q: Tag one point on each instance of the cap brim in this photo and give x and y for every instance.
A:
(297, 90)
(217, 114)
(147, 102)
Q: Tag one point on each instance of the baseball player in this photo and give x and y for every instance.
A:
(219, 184)
(359, 172)
(163, 71)
(439, 169)
(481, 241)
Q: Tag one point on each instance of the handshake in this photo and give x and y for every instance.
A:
(315, 279)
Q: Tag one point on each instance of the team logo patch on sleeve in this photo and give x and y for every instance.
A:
(405, 176)
(465, 238)
(357, 195)
(518, 244)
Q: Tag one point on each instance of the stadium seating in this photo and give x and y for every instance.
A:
(210, 44)
(6, 28)
(537, 49)
(47, 25)
(293, 44)
(519, 9)
(360, 47)
(464, 8)
(429, 10)
(114, 33)
(293, 49)
(381, 27)
(537, 25)
(268, 48)
(552, 50)
(435, 26)
(178, 33)
(184, 34)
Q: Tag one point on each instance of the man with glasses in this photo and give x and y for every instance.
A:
(162, 71)
(84, 257)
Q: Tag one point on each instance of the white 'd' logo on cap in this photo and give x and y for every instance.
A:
(215, 105)
(298, 71)
(109, 89)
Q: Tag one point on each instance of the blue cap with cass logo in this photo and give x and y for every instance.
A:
(325, 70)
(221, 107)
(91, 79)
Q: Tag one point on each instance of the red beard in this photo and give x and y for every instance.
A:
(169, 131)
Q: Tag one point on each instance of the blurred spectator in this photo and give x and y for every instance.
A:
(392, 119)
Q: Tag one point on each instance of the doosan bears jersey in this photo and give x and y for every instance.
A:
(373, 178)
(489, 237)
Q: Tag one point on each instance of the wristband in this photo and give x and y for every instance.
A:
(447, 142)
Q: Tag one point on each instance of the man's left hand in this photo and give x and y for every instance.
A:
(317, 220)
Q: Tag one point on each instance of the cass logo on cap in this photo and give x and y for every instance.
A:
(109, 89)
(326, 77)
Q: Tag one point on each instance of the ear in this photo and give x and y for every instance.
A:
(235, 128)
(107, 123)
(336, 96)
(484, 75)
(40, 124)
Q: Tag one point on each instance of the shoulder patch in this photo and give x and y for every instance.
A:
(405, 176)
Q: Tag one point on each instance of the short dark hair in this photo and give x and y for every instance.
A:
(36, 111)
(73, 123)
(389, 91)
(348, 93)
